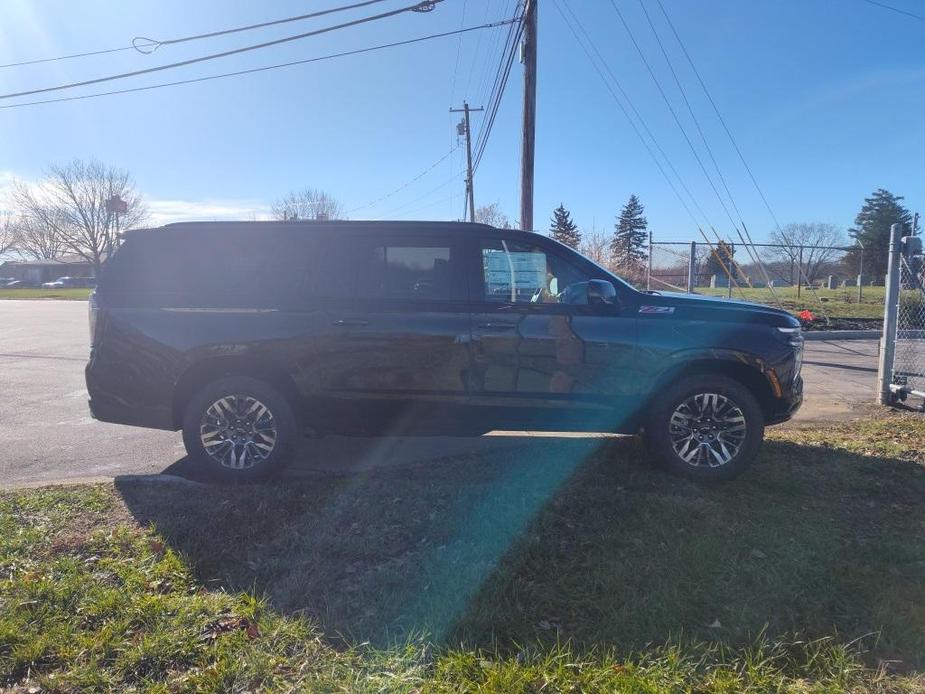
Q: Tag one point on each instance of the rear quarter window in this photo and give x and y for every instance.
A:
(209, 269)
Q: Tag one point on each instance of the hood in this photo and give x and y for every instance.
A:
(698, 306)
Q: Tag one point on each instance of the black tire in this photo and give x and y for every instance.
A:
(258, 462)
(662, 436)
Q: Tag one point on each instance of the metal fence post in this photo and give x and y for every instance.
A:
(691, 262)
(890, 309)
(861, 273)
(800, 272)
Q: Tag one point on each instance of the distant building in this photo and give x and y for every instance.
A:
(38, 271)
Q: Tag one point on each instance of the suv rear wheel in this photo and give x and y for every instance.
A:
(239, 429)
(706, 427)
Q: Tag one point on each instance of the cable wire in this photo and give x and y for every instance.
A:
(638, 115)
(406, 183)
(732, 140)
(262, 69)
(72, 55)
(690, 145)
(642, 139)
(462, 23)
(403, 208)
(139, 42)
(261, 25)
(895, 9)
(501, 78)
(494, 94)
(425, 5)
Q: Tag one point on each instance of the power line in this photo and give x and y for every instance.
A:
(403, 208)
(76, 55)
(491, 49)
(442, 201)
(406, 183)
(638, 115)
(462, 22)
(671, 109)
(140, 42)
(690, 144)
(690, 110)
(732, 140)
(264, 68)
(424, 6)
(510, 41)
(619, 103)
(501, 77)
(703, 138)
(642, 139)
(895, 9)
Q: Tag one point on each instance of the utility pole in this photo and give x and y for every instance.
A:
(470, 192)
(529, 126)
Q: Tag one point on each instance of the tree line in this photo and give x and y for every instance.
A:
(807, 250)
(71, 211)
(81, 208)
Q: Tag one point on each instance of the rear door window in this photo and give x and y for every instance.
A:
(412, 269)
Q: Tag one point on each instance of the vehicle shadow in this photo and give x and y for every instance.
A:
(571, 538)
(374, 549)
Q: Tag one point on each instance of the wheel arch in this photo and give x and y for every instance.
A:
(751, 374)
(210, 369)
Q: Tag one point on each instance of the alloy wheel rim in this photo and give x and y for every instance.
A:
(238, 432)
(707, 429)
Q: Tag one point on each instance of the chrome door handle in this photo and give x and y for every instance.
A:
(351, 323)
(496, 326)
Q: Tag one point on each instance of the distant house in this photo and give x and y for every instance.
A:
(38, 271)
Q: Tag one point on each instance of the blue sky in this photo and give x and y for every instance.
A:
(825, 98)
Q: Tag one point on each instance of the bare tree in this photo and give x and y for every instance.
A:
(36, 240)
(308, 203)
(8, 234)
(816, 240)
(596, 246)
(493, 216)
(68, 210)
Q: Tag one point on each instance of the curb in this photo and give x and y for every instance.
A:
(842, 334)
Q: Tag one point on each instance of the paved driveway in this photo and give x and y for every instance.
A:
(47, 435)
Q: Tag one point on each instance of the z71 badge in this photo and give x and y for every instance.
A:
(656, 309)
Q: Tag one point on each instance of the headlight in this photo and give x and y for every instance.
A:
(795, 340)
(798, 358)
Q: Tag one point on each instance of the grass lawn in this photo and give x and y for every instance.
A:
(837, 303)
(568, 566)
(38, 293)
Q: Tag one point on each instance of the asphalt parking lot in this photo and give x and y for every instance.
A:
(47, 434)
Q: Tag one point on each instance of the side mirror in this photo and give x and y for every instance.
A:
(601, 292)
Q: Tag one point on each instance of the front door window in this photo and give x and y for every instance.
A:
(523, 272)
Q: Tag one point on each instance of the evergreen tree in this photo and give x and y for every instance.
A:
(628, 245)
(872, 230)
(719, 262)
(563, 229)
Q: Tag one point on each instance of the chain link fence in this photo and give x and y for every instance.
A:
(692, 265)
(909, 355)
(841, 287)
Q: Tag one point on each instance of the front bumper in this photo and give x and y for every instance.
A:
(785, 407)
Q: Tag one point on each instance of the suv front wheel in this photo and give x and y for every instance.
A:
(239, 429)
(706, 427)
